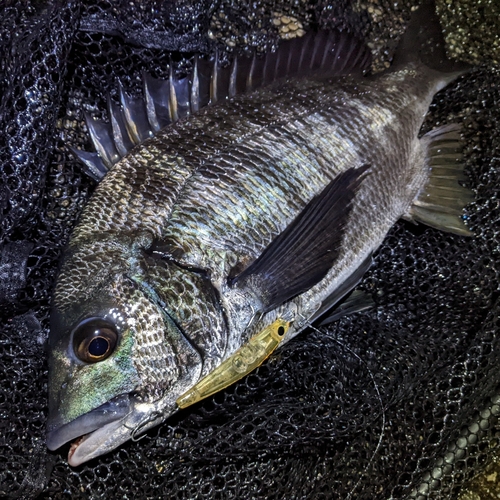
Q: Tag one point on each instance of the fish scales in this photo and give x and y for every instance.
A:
(180, 290)
(189, 187)
(317, 126)
(294, 160)
(247, 219)
(298, 154)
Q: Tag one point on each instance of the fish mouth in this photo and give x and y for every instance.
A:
(95, 432)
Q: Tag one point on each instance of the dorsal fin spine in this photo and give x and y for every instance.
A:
(232, 78)
(326, 50)
(302, 55)
(290, 58)
(150, 105)
(172, 101)
(167, 101)
(121, 136)
(136, 118)
(126, 114)
(102, 137)
(93, 165)
(317, 42)
(195, 88)
(214, 80)
(249, 84)
(268, 74)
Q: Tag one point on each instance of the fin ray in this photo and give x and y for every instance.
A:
(441, 202)
(102, 137)
(136, 119)
(337, 295)
(357, 301)
(323, 53)
(121, 137)
(156, 93)
(93, 165)
(304, 252)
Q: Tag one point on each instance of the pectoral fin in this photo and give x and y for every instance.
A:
(305, 251)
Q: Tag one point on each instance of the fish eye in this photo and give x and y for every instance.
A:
(94, 340)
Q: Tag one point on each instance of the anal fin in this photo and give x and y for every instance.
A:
(341, 292)
(441, 202)
(357, 301)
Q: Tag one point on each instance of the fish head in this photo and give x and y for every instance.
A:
(117, 361)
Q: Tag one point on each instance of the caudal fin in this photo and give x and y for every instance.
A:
(424, 42)
(441, 202)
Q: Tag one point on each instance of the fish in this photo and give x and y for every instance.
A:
(235, 207)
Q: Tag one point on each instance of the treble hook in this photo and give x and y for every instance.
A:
(140, 426)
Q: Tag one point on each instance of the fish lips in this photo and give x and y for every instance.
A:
(95, 432)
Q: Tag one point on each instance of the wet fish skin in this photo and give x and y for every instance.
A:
(288, 163)
(172, 224)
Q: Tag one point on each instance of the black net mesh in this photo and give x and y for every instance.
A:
(398, 402)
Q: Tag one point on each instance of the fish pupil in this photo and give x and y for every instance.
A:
(98, 346)
(281, 331)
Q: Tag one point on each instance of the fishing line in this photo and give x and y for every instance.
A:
(381, 436)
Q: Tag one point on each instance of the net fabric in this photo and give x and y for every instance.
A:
(397, 402)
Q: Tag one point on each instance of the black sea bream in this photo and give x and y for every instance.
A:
(230, 230)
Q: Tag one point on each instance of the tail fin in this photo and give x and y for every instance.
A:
(441, 202)
(424, 42)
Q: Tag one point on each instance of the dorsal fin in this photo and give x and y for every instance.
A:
(325, 53)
